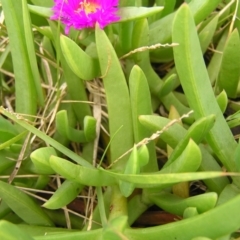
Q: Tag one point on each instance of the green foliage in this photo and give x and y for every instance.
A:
(88, 140)
(196, 84)
(76, 57)
(23, 206)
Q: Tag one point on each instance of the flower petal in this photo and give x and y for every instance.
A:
(81, 14)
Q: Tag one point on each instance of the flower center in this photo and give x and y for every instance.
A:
(88, 6)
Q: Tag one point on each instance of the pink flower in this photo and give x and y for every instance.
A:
(81, 14)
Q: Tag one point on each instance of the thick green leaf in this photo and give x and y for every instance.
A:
(180, 230)
(117, 96)
(35, 231)
(12, 140)
(209, 163)
(168, 86)
(168, 6)
(140, 101)
(31, 52)
(176, 205)
(41, 11)
(76, 91)
(40, 158)
(222, 101)
(80, 136)
(229, 73)
(23, 205)
(141, 104)
(89, 235)
(161, 30)
(133, 13)
(9, 231)
(207, 33)
(26, 98)
(44, 3)
(61, 148)
(137, 159)
(175, 134)
(196, 84)
(101, 177)
(81, 63)
(215, 63)
(182, 162)
(202, 225)
(85, 176)
(190, 212)
(141, 39)
(66, 193)
(228, 193)
(41, 182)
(197, 132)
